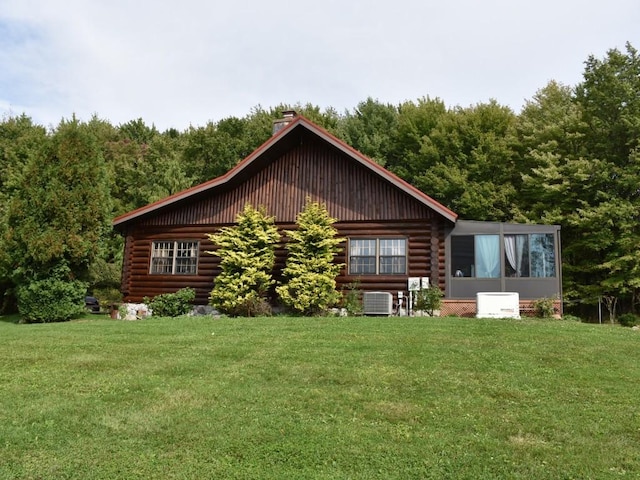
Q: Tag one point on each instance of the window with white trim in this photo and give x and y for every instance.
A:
(174, 257)
(377, 256)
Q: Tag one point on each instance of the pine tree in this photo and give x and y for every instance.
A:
(310, 273)
(247, 253)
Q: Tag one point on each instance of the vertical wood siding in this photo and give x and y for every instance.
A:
(312, 169)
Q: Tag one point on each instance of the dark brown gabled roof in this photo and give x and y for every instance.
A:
(273, 142)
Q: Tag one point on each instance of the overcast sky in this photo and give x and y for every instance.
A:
(180, 63)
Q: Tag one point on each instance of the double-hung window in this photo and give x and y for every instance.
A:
(174, 257)
(377, 256)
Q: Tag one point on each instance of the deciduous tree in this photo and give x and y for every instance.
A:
(585, 172)
(370, 129)
(471, 157)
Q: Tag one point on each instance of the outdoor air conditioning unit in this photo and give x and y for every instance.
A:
(377, 303)
(498, 305)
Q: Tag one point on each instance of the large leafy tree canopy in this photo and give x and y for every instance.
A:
(571, 156)
(582, 150)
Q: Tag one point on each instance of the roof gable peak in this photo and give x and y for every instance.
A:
(293, 122)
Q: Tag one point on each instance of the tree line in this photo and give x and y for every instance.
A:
(571, 156)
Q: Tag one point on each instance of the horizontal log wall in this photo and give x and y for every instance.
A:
(425, 245)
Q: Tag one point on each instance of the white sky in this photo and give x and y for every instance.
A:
(180, 63)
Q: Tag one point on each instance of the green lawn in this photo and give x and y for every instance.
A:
(286, 398)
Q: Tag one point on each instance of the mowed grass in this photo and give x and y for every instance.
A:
(336, 398)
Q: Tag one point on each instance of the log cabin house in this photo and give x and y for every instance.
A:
(394, 232)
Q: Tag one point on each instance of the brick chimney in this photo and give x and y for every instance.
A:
(287, 118)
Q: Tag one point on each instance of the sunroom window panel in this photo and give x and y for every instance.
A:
(516, 253)
(542, 253)
(463, 256)
(487, 256)
(525, 255)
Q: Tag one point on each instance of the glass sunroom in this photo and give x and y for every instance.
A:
(503, 257)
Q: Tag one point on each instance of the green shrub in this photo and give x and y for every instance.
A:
(310, 293)
(429, 299)
(629, 319)
(543, 307)
(241, 294)
(8, 301)
(51, 300)
(172, 304)
(352, 299)
(255, 307)
(103, 274)
(123, 311)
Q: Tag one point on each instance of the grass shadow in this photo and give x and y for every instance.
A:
(13, 318)
(84, 317)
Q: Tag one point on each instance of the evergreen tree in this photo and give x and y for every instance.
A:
(310, 273)
(61, 209)
(20, 140)
(138, 131)
(247, 257)
(57, 218)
